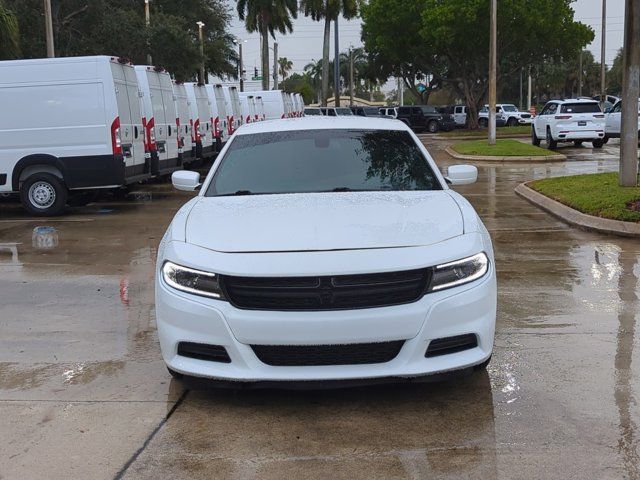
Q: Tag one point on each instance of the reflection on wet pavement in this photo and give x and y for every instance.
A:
(84, 392)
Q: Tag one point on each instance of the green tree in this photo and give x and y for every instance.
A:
(614, 76)
(395, 47)
(284, 67)
(267, 17)
(529, 32)
(297, 83)
(313, 70)
(9, 34)
(328, 10)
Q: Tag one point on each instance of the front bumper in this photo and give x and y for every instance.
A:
(182, 317)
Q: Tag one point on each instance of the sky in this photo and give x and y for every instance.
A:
(305, 43)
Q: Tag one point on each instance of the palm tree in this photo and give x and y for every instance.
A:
(265, 17)
(9, 34)
(285, 67)
(328, 10)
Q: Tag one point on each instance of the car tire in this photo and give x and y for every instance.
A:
(605, 140)
(432, 126)
(174, 374)
(512, 122)
(534, 138)
(483, 122)
(577, 143)
(551, 143)
(598, 143)
(43, 194)
(482, 366)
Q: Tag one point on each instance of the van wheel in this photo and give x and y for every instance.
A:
(551, 143)
(43, 194)
(432, 126)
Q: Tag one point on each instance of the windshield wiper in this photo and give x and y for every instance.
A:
(236, 193)
(347, 189)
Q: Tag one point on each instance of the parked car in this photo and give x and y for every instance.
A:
(573, 120)
(184, 123)
(312, 111)
(336, 111)
(68, 126)
(366, 111)
(265, 276)
(159, 119)
(483, 117)
(613, 119)
(389, 111)
(508, 112)
(425, 118)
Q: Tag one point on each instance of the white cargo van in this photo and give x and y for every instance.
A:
(274, 104)
(159, 118)
(203, 129)
(259, 108)
(184, 123)
(234, 110)
(300, 99)
(219, 114)
(248, 106)
(289, 105)
(68, 126)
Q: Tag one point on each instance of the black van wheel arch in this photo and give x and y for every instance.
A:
(43, 194)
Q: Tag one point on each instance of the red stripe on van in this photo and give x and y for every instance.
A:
(230, 120)
(216, 127)
(116, 145)
(151, 142)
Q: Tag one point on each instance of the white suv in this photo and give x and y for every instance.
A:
(572, 120)
(613, 122)
(508, 112)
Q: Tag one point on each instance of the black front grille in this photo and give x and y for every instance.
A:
(202, 351)
(339, 292)
(447, 345)
(316, 355)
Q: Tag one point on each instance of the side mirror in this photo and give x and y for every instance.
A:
(461, 174)
(186, 180)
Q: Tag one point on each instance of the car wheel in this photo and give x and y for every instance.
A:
(598, 143)
(605, 140)
(577, 143)
(534, 138)
(43, 194)
(551, 143)
(483, 122)
(432, 126)
(482, 366)
(512, 122)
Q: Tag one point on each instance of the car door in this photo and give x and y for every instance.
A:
(539, 122)
(612, 125)
(459, 115)
(417, 119)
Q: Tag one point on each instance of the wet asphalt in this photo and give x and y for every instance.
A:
(84, 393)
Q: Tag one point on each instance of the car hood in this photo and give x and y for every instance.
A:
(323, 221)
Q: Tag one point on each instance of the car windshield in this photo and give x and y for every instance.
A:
(344, 111)
(509, 108)
(586, 107)
(312, 111)
(304, 161)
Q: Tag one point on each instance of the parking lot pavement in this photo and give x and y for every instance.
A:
(84, 393)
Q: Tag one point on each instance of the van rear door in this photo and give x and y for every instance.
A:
(170, 115)
(160, 120)
(222, 112)
(131, 131)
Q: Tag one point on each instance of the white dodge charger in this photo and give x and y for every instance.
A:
(325, 249)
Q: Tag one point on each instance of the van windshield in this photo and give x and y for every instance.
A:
(305, 161)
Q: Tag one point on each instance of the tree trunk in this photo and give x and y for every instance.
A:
(265, 56)
(325, 61)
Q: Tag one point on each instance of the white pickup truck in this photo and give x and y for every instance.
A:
(508, 112)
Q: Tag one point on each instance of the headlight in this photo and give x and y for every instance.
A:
(192, 281)
(459, 272)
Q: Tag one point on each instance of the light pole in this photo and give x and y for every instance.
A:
(48, 28)
(603, 65)
(201, 35)
(275, 65)
(240, 64)
(336, 67)
(493, 57)
(630, 93)
(147, 21)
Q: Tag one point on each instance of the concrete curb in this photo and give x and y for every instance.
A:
(557, 157)
(576, 218)
(476, 137)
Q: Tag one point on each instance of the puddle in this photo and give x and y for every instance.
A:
(44, 238)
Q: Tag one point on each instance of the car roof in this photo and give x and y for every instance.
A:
(574, 100)
(323, 123)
